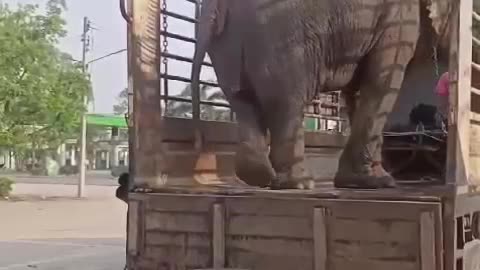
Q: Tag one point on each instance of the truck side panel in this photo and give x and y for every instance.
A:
(179, 232)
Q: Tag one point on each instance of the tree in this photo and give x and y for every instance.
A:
(122, 103)
(207, 112)
(41, 91)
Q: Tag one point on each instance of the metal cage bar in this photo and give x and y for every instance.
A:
(326, 111)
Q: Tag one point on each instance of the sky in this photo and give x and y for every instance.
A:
(109, 76)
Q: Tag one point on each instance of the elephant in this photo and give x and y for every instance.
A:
(271, 57)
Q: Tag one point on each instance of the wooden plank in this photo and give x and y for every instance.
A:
(133, 223)
(180, 240)
(269, 226)
(344, 264)
(324, 190)
(475, 117)
(439, 243)
(176, 222)
(427, 241)
(147, 114)
(287, 207)
(270, 246)
(141, 263)
(319, 139)
(459, 117)
(449, 233)
(250, 260)
(320, 234)
(221, 269)
(178, 258)
(474, 160)
(373, 230)
(302, 207)
(181, 130)
(180, 203)
(388, 211)
(218, 236)
(358, 250)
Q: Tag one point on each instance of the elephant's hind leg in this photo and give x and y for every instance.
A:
(251, 161)
(360, 165)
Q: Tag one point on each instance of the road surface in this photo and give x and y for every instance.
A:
(98, 178)
(45, 227)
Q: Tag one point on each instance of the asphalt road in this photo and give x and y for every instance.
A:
(45, 227)
(63, 254)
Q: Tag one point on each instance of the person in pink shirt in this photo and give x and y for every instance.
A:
(442, 93)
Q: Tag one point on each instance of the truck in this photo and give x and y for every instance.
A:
(185, 210)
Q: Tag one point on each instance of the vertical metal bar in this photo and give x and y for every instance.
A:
(196, 96)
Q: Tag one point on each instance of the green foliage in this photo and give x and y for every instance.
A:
(5, 187)
(207, 112)
(41, 91)
(122, 103)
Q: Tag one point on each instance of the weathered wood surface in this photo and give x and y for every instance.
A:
(474, 159)
(184, 231)
(427, 241)
(181, 130)
(460, 62)
(320, 239)
(147, 113)
(323, 190)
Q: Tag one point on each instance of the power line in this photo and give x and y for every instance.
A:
(105, 56)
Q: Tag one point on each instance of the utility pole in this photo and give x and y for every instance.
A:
(83, 143)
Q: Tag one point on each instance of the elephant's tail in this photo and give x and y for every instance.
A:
(211, 22)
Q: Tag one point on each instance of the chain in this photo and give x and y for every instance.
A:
(165, 29)
(435, 61)
(165, 50)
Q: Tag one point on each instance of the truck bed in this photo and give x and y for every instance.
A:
(216, 227)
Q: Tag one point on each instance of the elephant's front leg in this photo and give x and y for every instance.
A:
(287, 149)
(251, 160)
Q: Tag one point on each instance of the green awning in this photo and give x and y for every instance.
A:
(107, 120)
(311, 123)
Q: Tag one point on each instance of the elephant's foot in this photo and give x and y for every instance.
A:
(253, 168)
(375, 178)
(282, 181)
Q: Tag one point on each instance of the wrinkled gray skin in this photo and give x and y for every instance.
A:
(273, 56)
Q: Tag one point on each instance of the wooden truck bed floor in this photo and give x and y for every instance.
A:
(323, 190)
